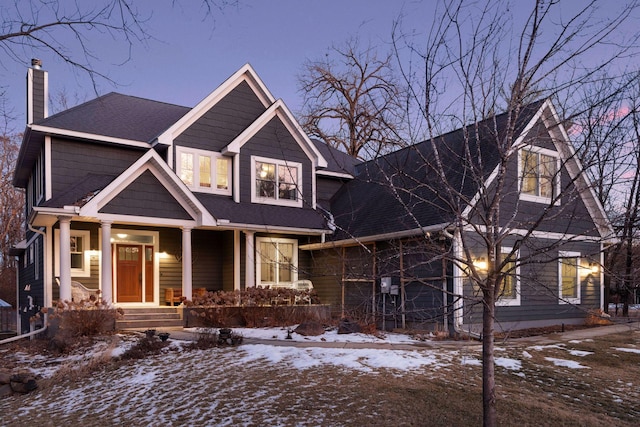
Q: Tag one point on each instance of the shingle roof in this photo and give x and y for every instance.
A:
(260, 214)
(118, 116)
(80, 192)
(337, 161)
(369, 205)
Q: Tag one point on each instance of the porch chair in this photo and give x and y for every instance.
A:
(303, 285)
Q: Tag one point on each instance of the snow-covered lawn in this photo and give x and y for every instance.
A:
(265, 384)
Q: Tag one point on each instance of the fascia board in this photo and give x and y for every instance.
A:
(246, 73)
(89, 136)
(375, 237)
(334, 174)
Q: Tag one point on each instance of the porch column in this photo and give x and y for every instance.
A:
(187, 286)
(106, 267)
(236, 260)
(65, 258)
(250, 260)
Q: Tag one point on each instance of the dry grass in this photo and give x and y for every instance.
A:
(605, 392)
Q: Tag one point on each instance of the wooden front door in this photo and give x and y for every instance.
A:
(129, 273)
(148, 273)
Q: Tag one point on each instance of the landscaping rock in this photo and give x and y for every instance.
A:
(310, 328)
(348, 326)
(23, 383)
(5, 377)
(5, 390)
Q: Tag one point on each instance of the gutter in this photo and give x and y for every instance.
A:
(29, 334)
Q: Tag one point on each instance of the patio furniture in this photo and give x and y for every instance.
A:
(305, 286)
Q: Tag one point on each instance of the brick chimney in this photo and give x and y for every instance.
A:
(37, 92)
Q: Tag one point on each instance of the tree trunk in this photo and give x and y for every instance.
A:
(489, 412)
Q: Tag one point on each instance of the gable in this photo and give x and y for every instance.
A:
(146, 197)
(218, 126)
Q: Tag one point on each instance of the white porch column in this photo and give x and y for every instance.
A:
(65, 257)
(187, 285)
(250, 260)
(236, 260)
(105, 263)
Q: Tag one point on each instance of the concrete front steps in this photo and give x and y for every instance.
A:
(154, 317)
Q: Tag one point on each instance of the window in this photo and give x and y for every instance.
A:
(80, 253)
(276, 182)
(277, 261)
(510, 289)
(198, 169)
(569, 277)
(539, 175)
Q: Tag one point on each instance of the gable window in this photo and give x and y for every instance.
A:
(539, 175)
(276, 182)
(510, 288)
(277, 261)
(569, 277)
(204, 171)
(80, 253)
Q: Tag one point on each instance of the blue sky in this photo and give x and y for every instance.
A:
(193, 54)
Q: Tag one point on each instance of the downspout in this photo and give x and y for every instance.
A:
(44, 286)
(458, 282)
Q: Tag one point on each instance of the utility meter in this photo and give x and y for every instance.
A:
(385, 285)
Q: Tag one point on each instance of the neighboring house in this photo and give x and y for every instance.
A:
(232, 194)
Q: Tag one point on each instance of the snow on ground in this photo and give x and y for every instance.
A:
(572, 364)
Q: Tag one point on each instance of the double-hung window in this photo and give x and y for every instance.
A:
(510, 287)
(539, 177)
(80, 253)
(204, 171)
(569, 277)
(276, 182)
(277, 261)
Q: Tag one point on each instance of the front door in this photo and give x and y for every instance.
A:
(129, 272)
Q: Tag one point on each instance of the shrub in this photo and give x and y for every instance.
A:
(145, 346)
(71, 320)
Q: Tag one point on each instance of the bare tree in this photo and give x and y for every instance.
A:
(352, 100)
(479, 60)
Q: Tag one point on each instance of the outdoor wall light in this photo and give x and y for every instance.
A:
(480, 263)
(594, 267)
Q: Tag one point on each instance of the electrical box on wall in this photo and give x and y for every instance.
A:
(385, 285)
(394, 290)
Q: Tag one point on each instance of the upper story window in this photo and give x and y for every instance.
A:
(538, 171)
(569, 277)
(204, 171)
(276, 182)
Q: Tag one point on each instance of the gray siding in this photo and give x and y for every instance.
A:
(226, 120)
(72, 160)
(146, 196)
(326, 188)
(274, 141)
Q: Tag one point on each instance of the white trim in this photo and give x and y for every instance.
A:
(236, 178)
(245, 74)
(276, 200)
(214, 157)
(86, 255)
(334, 174)
(573, 255)
(47, 167)
(89, 136)
(510, 302)
(258, 259)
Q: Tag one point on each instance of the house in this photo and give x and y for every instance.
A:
(412, 225)
(135, 197)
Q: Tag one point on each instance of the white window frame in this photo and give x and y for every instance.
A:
(214, 157)
(85, 271)
(556, 178)
(506, 301)
(275, 201)
(562, 255)
(294, 261)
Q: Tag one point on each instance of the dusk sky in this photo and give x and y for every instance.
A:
(192, 53)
